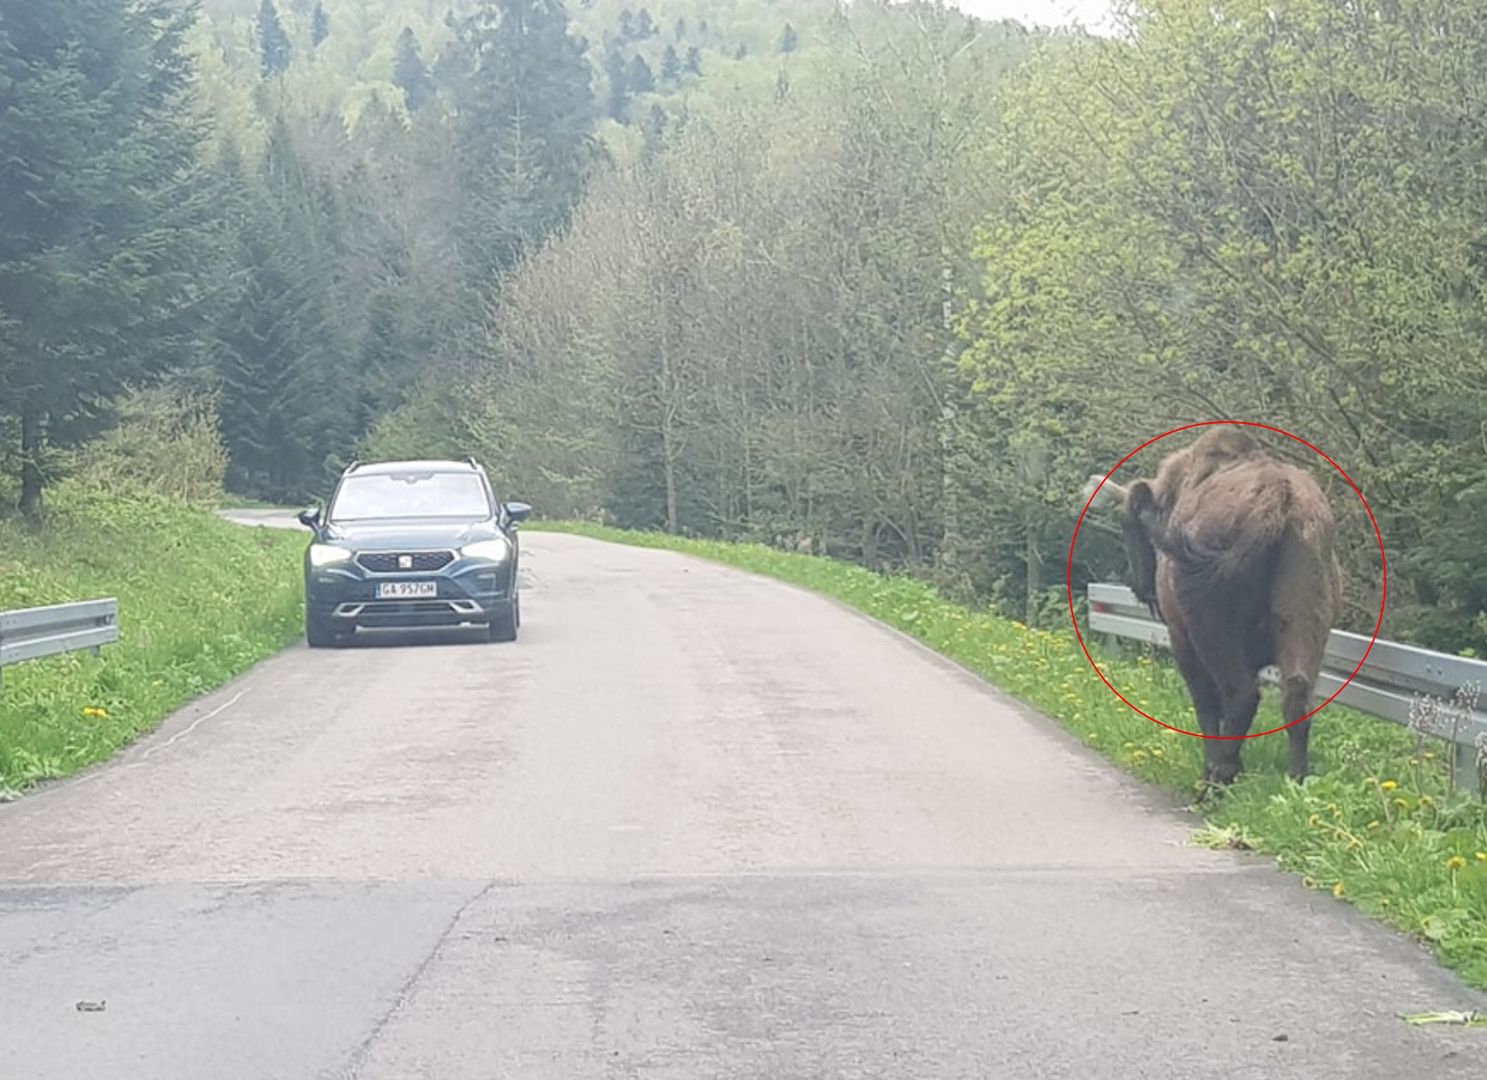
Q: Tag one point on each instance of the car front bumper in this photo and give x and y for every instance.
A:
(345, 596)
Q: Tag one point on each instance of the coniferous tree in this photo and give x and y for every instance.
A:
(627, 25)
(288, 392)
(273, 41)
(741, 52)
(641, 81)
(671, 66)
(527, 114)
(645, 26)
(694, 60)
(680, 30)
(788, 39)
(319, 25)
(411, 73)
(105, 251)
(618, 74)
(656, 125)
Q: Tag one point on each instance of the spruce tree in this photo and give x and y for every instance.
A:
(319, 25)
(618, 74)
(106, 250)
(411, 73)
(641, 80)
(273, 42)
(527, 114)
(694, 60)
(671, 66)
(788, 39)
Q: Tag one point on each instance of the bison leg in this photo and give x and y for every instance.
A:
(1208, 703)
(1295, 703)
(1226, 760)
(1235, 686)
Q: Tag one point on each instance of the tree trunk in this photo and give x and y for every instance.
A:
(1034, 573)
(32, 437)
(670, 470)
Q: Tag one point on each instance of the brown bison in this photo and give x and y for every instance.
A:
(1233, 550)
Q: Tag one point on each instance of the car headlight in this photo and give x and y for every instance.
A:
(327, 554)
(497, 551)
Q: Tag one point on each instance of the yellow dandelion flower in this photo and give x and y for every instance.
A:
(1430, 755)
(1426, 800)
(1389, 785)
(1314, 821)
(1139, 755)
(1403, 804)
(1455, 862)
(1337, 890)
(1482, 856)
(1375, 824)
(1158, 753)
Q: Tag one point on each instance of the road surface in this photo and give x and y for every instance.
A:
(693, 825)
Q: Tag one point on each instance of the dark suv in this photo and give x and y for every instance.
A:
(412, 544)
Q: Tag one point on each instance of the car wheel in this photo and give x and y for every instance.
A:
(321, 635)
(503, 624)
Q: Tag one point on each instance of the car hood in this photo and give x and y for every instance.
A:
(409, 535)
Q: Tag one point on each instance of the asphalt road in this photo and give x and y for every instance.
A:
(692, 825)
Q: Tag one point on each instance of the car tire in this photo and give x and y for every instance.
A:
(321, 635)
(503, 624)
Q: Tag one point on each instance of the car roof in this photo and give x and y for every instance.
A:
(382, 468)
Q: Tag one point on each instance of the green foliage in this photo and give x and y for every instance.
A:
(166, 443)
(1377, 824)
(211, 600)
(693, 351)
(1261, 215)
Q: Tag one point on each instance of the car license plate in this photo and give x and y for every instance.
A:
(407, 590)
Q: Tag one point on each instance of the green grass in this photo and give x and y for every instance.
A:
(1376, 824)
(200, 601)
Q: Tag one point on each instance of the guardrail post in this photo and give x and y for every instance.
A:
(1466, 760)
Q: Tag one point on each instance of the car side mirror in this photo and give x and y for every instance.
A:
(518, 512)
(310, 518)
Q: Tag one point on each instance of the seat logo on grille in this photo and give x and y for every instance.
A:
(405, 562)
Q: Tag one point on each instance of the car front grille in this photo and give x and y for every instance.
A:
(404, 562)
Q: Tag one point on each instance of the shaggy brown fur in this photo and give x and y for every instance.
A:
(1233, 549)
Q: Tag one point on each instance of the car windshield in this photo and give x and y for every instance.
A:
(381, 496)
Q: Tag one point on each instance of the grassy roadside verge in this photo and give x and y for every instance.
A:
(200, 601)
(1376, 825)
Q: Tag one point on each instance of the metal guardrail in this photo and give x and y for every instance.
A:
(1395, 683)
(32, 633)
